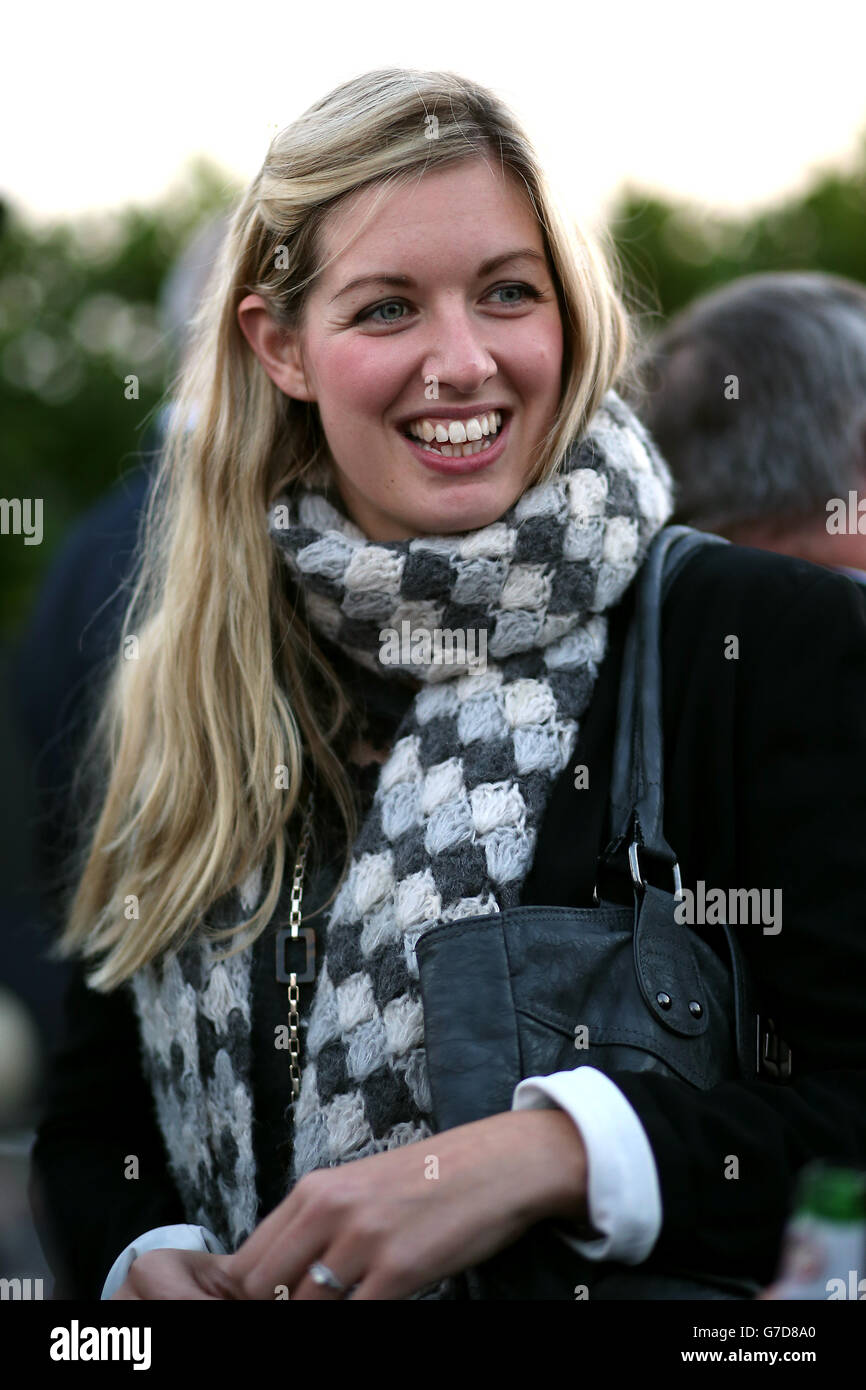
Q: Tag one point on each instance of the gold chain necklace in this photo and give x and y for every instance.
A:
(292, 934)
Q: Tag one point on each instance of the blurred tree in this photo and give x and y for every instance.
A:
(78, 316)
(672, 252)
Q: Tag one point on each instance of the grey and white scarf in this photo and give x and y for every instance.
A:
(452, 828)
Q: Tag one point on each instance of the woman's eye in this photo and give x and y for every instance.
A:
(367, 315)
(527, 289)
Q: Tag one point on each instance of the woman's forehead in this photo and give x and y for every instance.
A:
(455, 218)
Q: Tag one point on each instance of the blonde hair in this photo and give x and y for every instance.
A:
(227, 682)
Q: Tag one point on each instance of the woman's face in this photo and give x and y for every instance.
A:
(455, 340)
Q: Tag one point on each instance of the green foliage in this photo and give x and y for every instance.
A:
(674, 251)
(79, 313)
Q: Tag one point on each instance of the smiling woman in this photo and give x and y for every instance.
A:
(398, 416)
(465, 344)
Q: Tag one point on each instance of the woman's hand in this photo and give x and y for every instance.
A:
(393, 1223)
(177, 1274)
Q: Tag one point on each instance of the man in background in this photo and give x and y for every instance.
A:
(756, 395)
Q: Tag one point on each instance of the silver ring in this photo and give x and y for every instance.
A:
(320, 1274)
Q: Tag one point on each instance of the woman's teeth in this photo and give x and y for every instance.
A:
(456, 438)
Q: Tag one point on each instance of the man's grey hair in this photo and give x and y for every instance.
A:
(794, 434)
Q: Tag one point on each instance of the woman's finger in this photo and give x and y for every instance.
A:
(182, 1275)
(284, 1266)
(349, 1266)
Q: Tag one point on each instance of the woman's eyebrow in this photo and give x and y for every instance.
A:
(486, 267)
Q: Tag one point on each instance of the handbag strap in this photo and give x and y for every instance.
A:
(637, 807)
(637, 794)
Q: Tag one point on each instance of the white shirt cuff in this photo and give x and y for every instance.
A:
(160, 1238)
(623, 1195)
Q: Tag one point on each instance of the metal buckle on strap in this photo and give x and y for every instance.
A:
(774, 1057)
(637, 878)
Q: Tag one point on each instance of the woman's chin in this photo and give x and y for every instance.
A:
(443, 511)
(456, 527)
(464, 512)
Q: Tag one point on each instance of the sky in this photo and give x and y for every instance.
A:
(732, 104)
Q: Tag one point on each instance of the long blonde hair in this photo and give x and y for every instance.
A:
(218, 682)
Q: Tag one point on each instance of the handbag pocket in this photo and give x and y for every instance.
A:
(534, 990)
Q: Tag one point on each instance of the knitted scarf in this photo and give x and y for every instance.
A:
(452, 828)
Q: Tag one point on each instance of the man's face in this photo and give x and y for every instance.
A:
(491, 338)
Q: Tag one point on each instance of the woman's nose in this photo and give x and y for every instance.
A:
(456, 352)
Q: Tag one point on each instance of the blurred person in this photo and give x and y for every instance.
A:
(756, 395)
(78, 613)
(255, 758)
(77, 619)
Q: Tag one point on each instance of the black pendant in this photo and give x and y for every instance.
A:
(290, 955)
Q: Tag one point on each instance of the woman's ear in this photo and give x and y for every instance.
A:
(278, 349)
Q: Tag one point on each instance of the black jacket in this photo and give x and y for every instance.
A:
(765, 786)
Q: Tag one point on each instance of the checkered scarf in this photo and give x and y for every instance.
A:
(452, 828)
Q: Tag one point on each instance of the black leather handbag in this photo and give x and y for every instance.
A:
(509, 995)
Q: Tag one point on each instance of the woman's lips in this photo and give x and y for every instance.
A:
(438, 463)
